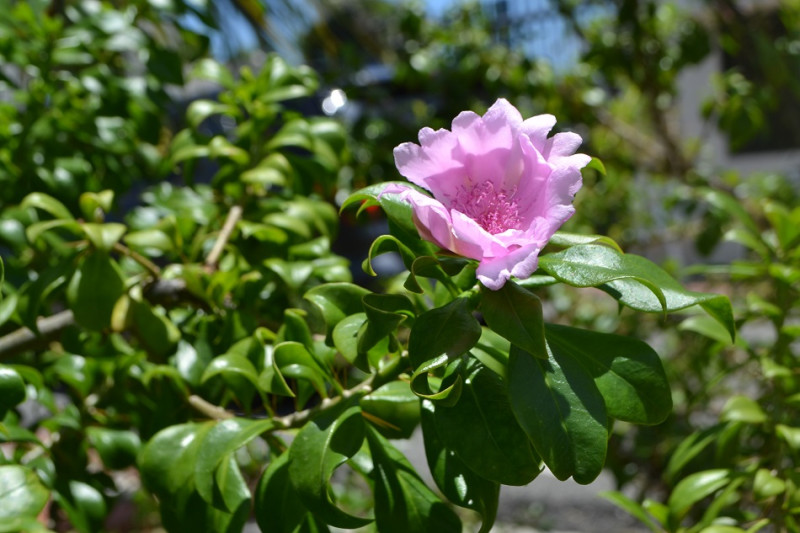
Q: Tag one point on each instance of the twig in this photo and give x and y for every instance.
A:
(139, 258)
(299, 418)
(24, 338)
(209, 409)
(225, 233)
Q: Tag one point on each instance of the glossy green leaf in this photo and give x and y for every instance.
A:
(626, 371)
(482, 431)
(117, 448)
(516, 314)
(708, 327)
(94, 290)
(766, 484)
(337, 301)
(384, 313)
(209, 69)
(104, 236)
(83, 504)
(633, 508)
(693, 488)
(743, 409)
(387, 244)
(156, 332)
(47, 203)
(21, 493)
(565, 240)
(222, 440)
(691, 447)
(231, 365)
(276, 504)
(450, 329)
(790, 435)
(318, 449)
(403, 502)
(167, 462)
(12, 390)
(633, 280)
(563, 413)
(230, 491)
(393, 408)
(458, 483)
(295, 361)
(35, 230)
(449, 389)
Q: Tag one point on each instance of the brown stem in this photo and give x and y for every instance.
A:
(225, 233)
(25, 339)
(209, 409)
(139, 258)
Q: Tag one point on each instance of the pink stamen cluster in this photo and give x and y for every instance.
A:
(495, 211)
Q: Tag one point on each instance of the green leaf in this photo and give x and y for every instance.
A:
(104, 236)
(482, 431)
(222, 440)
(458, 483)
(230, 489)
(83, 504)
(294, 360)
(516, 314)
(403, 503)
(21, 493)
(597, 165)
(449, 390)
(47, 203)
(277, 505)
(387, 244)
(94, 289)
(12, 390)
(167, 462)
(337, 301)
(209, 69)
(117, 448)
(95, 204)
(566, 240)
(766, 484)
(560, 408)
(626, 371)
(708, 327)
(790, 435)
(450, 329)
(694, 488)
(384, 313)
(35, 230)
(689, 449)
(743, 409)
(633, 280)
(237, 371)
(633, 508)
(318, 449)
(394, 409)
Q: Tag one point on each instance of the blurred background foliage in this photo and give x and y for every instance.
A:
(125, 113)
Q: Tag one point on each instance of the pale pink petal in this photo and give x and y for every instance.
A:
(522, 262)
(537, 128)
(561, 145)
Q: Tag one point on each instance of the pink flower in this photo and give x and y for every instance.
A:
(500, 187)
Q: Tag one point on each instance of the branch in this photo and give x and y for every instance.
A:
(139, 258)
(230, 223)
(212, 411)
(25, 339)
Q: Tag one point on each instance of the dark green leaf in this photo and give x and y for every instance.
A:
(319, 448)
(393, 408)
(558, 405)
(12, 389)
(403, 503)
(483, 433)
(457, 482)
(337, 301)
(627, 372)
(117, 448)
(222, 440)
(167, 462)
(450, 330)
(94, 290)
(276, 504)
(516, 314)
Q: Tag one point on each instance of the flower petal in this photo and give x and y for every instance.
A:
(522, 262)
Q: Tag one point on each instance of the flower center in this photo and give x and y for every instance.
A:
(494, 210)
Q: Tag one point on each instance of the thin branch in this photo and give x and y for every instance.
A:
(24, 338)
(209, 409)
(139, 258)
(299, 418)
(230, 223)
